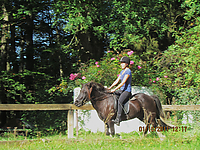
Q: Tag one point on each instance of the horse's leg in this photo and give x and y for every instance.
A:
(155, 124)
(147, 121)
(112, 128)
(153, 120)
(107, 129)
(146, 128)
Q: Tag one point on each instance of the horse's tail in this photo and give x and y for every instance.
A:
(161, 114)
(159, 106)
(162, 123)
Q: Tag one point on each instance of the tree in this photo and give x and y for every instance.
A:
(180, 62)
(4, 55)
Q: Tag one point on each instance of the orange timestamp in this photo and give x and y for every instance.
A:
(161, 129)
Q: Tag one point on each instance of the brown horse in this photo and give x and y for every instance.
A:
(144, 107)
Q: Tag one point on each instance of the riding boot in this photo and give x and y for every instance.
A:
(117, 120)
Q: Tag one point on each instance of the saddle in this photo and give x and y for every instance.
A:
(125, 107)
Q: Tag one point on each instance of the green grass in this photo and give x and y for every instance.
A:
(189, 140)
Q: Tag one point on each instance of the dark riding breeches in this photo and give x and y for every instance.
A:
(123, 98)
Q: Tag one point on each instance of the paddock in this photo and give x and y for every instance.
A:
(97, 124)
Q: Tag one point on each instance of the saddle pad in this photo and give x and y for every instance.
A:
(132, 98)
(126, 105)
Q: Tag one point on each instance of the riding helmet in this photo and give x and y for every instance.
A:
(125, 59)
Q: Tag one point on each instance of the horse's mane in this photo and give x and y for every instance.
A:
(98, 86)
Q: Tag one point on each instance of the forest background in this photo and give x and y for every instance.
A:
(49, 47)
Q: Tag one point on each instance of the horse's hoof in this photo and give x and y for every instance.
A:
(118, 136)
(107, 133)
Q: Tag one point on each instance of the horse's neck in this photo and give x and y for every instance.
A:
(101, 100)
(99, 96)
(103, 107)
(94, 105)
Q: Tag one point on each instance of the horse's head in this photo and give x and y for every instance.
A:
(88, 91)
(84, 95)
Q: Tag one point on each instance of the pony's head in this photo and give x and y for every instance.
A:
(87, 92)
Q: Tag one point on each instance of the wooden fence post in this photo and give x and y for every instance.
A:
(70, 123)
(76, 123)
(76, 93)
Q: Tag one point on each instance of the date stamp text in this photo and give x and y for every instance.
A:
(161, 129)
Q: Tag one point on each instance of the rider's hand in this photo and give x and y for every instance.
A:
(112, 91)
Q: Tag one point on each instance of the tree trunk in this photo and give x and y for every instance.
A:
(29, 43)
(29, 51)
(59, 54)
(13, 54)
(3, 97)
(3, 40)
(91, 46)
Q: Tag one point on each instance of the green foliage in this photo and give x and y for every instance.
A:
(102, 72)
(138, 25)
(181, 63)
(187, 96)
(17, 91)
(181, 60)
(106, 70)
(14, 87)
